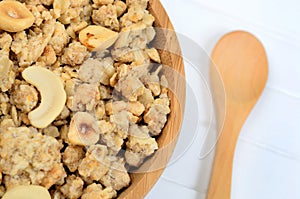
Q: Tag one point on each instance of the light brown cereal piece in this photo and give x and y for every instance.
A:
(136, 108)
(153, 54)
(113, 80)
(115, 107)
(85, 98)
(156, 116)
(24, 118)
(139, 145)
(164, 84)
(75, 54)
(60, 7)
(100, 110)
(76, 27)
(105, 92)
(55, 176)
(130, 87)
(64, 133)
(5, 43)
(142, 4)
(16, 180)
(14, 115)
(83, 129)
(120, 7)
(102, 2)
(132, 39)
(95, 164)
(121, 121)
(5, 108)
(94, 71)
(64, 114)
(6, 123)
(124, 69)
(108, 65)
(105, 127)
(2, 190)
(24, 96)
(51, 131)
(48, 57)
(59, 39)
(70, 86)
(152, 83)
(35, 155)
(133, 119)
(29, 48)
(73, 188)
(7, 75)
(117, 176)
(70, 71)
(133, 15)
(136, 16)
(57, 195)
(107, 135)
(113, 141)
(96, 191)
(146, 98)
(106, 16)
(40, 13)
(140, 57)
(72, 157)
(72, 14)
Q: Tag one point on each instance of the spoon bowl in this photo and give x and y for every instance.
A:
(239, 72)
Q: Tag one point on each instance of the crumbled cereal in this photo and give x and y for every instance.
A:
(96, 191)
(73, 188)
(85, 98)
(29, 48)
(95, 164)
(140, 145)
(106, 16)
(117, 176)
(72, 157)
(75, 54)
(116, 97)
(38, 157)
(59, 39)
(24, 96)
(7, 75)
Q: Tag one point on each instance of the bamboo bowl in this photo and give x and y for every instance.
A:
(166, 42)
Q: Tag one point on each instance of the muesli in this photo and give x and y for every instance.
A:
(79, 103)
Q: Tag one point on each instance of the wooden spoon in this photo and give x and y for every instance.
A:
(239, 72)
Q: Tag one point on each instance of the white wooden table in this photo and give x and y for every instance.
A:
(267, 158)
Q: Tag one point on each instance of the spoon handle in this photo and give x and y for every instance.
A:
(220, 184)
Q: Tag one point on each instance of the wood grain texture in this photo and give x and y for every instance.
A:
(167, 43)
(239, 72)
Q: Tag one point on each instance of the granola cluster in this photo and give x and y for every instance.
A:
(114, 93)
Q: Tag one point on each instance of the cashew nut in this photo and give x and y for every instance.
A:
(83, 129)
(97, 38)
(15, 16)
(53, 96)
(27, 192)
